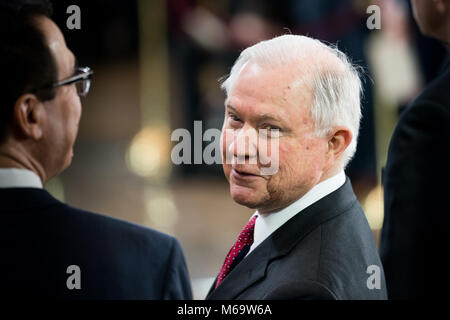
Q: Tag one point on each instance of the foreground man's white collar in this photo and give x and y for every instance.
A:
(19, 178)
(266, 224)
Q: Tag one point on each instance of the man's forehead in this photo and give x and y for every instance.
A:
(268, 87)
(256, 111)
(249, 69)
(64, 58)
(53, 34)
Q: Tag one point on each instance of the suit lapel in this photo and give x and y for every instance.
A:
(247, 272)
(253, 267)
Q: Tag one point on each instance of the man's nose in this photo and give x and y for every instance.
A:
(244, 145)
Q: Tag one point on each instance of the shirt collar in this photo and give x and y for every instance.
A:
(266, 224)
(19, 178)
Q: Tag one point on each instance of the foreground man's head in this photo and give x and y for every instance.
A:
(307, 96)
(40, 107)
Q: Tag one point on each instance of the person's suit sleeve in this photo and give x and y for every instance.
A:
(177, 285)
(415, 178)
(302, 290)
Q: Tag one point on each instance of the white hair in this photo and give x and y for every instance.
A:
(336, 85)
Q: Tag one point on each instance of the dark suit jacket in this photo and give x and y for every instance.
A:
(416, 184)
(321, 253)
(41, 237)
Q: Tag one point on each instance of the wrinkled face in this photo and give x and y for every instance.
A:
(268, 99)
(64, 111)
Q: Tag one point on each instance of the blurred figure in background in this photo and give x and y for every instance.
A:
(72, 254)
(309, 238)
(415, 230)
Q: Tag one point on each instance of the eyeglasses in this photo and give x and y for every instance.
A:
(82, 80)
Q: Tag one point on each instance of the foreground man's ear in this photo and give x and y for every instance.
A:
(29, 116)
(338, 141)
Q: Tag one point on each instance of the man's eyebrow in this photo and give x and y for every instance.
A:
(267, 116)
(229, 106)
(261, 117)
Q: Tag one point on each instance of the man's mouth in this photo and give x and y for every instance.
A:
(243, 174)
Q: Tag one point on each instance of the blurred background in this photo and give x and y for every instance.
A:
(157, 67)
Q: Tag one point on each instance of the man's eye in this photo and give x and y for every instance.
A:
(270, 127)
(234, 118)
(270, 130)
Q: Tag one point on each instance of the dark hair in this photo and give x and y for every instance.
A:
(26, 62)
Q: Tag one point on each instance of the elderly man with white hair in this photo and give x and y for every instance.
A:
(309, 238)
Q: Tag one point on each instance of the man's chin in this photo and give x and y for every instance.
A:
(245, 196)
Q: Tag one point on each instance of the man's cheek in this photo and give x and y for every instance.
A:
(285, 152)
(225, 143)
(226, 171)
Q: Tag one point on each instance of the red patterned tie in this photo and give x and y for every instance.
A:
(245, 239)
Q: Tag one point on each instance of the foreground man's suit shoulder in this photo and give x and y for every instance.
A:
(321, 253)
(416, 218)
(40, 237)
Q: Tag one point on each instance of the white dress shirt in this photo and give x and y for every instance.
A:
(266, 224)
(19, 178)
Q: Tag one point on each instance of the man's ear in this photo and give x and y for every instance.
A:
(29, 116)
(338, 141)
